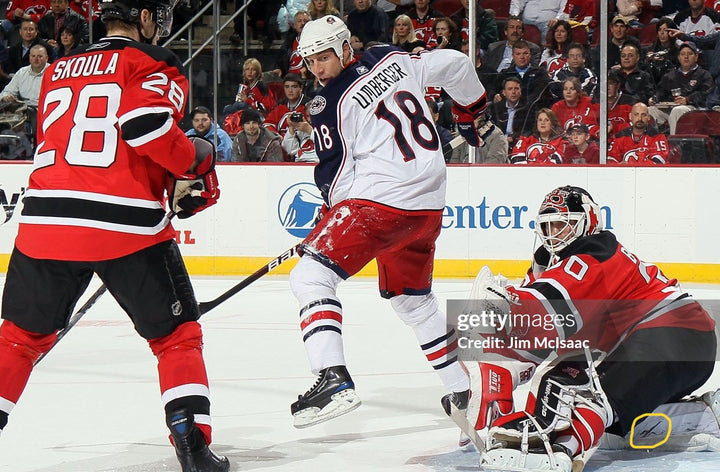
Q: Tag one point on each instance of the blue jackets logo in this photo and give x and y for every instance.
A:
(298, 207)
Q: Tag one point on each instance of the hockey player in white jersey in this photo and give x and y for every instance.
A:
(382, 176)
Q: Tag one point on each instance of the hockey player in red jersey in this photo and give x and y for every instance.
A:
(382, 175)
(108, 147)
(652, 343)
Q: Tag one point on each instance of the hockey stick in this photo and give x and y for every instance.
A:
(74, 319)
(207, 306)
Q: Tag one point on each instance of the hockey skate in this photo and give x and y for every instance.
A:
(192, 452)
(332, 395)
(455, 405)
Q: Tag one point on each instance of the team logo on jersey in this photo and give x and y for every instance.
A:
(298, 208)
(316, 105)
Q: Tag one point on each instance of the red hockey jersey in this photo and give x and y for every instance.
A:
(597, 295)
(107, 137)
(530, 150)
(584, 112)
(650, 148)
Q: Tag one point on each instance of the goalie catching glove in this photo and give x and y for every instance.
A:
(473, 126)
(196, 189)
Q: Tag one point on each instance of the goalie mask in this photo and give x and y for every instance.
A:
(328, 32)
(566, 214)
(128, 11)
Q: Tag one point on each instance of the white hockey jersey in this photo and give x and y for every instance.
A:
(374, 135)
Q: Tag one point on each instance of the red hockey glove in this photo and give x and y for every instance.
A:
(475, 128)
(197, 188)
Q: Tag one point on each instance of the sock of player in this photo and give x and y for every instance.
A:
(321, 326)
(183, 378)
(19, 349)
(422, 314)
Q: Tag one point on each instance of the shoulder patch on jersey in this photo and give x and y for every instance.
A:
(362, 70)
(317, 105)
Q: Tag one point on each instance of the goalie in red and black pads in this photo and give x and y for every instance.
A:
(652, 343)
(109, 150)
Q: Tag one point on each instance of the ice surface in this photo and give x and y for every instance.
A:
(94, 404)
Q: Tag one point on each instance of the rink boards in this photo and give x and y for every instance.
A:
(667, 215)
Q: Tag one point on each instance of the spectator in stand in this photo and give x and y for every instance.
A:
(320, 8)
(500, 53)
(485, 24)
(535, 80)
(661, 57)
(423, 18)
(618, 37)
(204, 126)
(25, 84)
(574, 67)
(254, 143)
(510, 114)
(447, 35)
(544, 146)
(580, 148)
(19, 54)
(278, 119)
(252, 92)
(393, 8)
(580, 14)
(538, 12)
(404, 35)
(298, 142)
(367, 23)
(637, 81)
(555, 53)
(688, 87)
(697, 19)
(641, 143)
(576, 107)
(289, 60)
(619, 104)
(631, 10)
(19, 10)
(68, 41)
(59, 16)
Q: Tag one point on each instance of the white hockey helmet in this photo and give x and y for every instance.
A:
(328, 32)
(575, 209)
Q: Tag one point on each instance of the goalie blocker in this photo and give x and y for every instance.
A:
(196, 189)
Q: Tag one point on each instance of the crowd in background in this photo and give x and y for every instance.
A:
(538, 60)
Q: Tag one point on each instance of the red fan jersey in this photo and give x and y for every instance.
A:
(107, 137)
(296, 61)
(584, 112)
(651, 147)
(35, 8)
(598, 293)
(530, 150)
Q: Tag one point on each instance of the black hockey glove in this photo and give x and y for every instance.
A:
(196, 189)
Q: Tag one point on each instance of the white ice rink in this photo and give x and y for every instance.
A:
(94, 405)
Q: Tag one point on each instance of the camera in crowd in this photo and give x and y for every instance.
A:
(296, 117)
